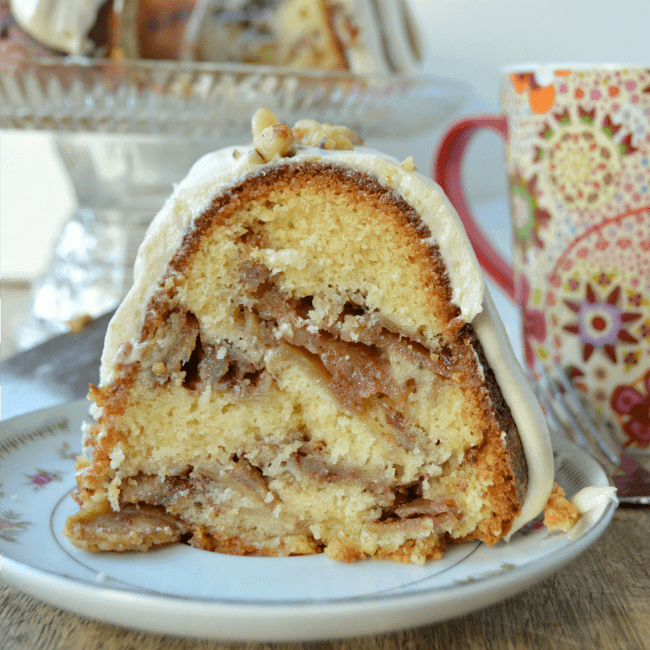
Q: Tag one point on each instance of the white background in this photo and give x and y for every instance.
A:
(466, 39)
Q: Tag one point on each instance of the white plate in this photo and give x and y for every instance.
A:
(185, 591)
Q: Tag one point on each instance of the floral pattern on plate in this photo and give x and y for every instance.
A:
(11, 525)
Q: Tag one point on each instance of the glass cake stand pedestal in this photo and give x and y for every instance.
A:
(120, 182)
(127, 131)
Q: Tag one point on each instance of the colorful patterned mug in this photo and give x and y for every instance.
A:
(577, 142)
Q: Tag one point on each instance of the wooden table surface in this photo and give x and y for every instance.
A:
(601, 601)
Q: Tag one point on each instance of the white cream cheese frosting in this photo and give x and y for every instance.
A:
(60, 24)
(592, 497)
(217, 171)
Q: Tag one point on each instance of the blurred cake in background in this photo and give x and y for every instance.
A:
(150, 29)
(357, 35)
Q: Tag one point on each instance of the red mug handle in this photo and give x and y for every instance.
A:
(447, 172)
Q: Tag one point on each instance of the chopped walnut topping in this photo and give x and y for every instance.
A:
(255, 158)
(325, 136)
(262, 119)
(351, 135)
(272, 138)
(303, 130)
(408, 165)
(276, 140)
(338, 143)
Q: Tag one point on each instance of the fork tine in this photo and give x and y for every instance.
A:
(568, 416)
(557, 415)
(553, 422)
(599, 434)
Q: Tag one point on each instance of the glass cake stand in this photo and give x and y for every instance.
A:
(126, 131)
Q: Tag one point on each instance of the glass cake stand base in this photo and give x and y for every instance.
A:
(120, 183)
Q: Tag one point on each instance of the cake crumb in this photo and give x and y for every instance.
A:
(79, 323)
(559, 513)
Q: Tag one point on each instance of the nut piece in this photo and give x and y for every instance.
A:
(332, 140)
(303, 130)
(351, 135)
(276, 140)
(325, 136)
(254, 158)
(408, 165)
(262, 119)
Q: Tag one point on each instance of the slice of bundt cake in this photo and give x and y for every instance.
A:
(358, 35)
(361, 36)
(308, 361)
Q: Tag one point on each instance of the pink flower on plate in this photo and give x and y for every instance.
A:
(66, 454)
(11, 525)
(5, 524)
(42, 478)
(532, 526)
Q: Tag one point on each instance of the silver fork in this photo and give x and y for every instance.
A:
(568, 416)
